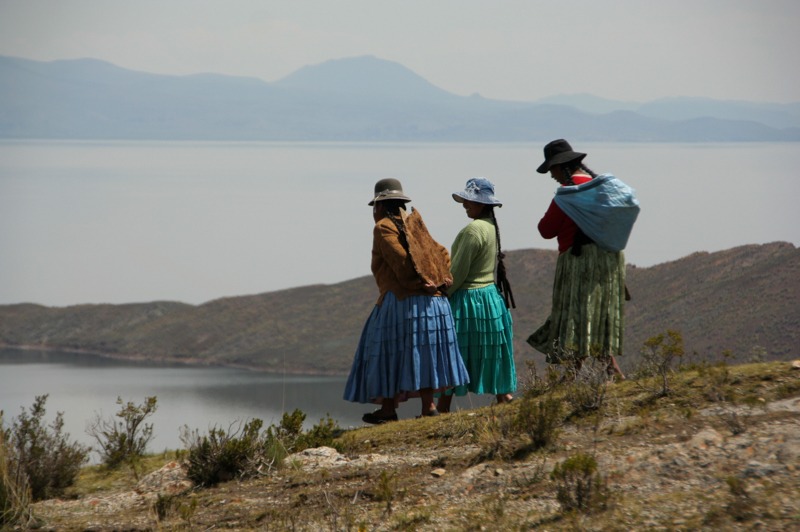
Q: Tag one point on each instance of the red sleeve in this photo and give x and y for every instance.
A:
(552, 221)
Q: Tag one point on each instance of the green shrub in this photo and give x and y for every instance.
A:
(42, 455)
(14, 494)
(497, 435)
(579, 486)
(659, 354)
(540, 419)
(586, 392)
(125, 440)
(718, 385)
(288, 434)
(248, 451)
(534, 385)
(221, 456)
(322, 434)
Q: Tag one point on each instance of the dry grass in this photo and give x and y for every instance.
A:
(501, 490)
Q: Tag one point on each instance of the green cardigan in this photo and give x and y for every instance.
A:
(473, 256)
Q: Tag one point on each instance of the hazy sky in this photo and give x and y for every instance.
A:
(504, 49)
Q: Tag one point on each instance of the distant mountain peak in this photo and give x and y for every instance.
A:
(362, 75)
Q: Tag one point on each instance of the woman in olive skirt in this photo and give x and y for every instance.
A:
(586, 319)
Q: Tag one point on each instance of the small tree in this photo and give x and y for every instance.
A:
(540, 419)
(125, 440)
(219, 456)
(658, 356)
(579, 486)
(42, 456)
(14, 493)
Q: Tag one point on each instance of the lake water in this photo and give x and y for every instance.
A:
(122, 222)
(82, 386)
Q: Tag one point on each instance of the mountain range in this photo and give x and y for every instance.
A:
(738, 305)
(353, 99)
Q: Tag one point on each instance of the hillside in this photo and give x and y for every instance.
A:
(352, 99)
(743, 301)
(720, 453)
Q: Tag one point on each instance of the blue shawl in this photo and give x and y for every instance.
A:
(604, 208)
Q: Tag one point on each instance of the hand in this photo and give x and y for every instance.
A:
(448, 282)
(430, 287)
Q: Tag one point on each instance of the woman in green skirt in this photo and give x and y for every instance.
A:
(589, 289)
(482, 319)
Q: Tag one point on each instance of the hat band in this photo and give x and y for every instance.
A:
(387, 192)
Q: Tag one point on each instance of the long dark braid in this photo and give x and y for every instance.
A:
(587, 170)
(502, 279)
(572, 167)
(393, 208)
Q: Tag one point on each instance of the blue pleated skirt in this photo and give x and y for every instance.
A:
(485, 339)
(406, 346)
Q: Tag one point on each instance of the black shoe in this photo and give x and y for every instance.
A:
(431, 413)
(376, 418)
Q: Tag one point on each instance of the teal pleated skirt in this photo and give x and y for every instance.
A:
(586, 318)
(485, 339)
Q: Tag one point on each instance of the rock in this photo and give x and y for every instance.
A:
(171, 479)
(439, 472)
(706, 438)
(756, 469)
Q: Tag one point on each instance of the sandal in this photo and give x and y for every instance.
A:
(430, 413)
(376, 418)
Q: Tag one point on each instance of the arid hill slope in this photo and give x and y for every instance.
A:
(745, 301)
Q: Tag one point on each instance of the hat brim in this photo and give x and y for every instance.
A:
(387, 198)
(461, 198)
(560, 158)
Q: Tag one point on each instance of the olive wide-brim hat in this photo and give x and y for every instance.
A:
(558, 152)
(387, 189)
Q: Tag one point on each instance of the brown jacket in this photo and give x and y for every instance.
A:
(392, 265)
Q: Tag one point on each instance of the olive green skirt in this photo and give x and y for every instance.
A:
(587, 313)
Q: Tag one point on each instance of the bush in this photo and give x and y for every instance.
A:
(659, 354)
(221, 456)
(126, 440)
(14, 498)
(587, 391)
(322, 434)
(540, 420)
(579, 487)
(246, 451)
(43, 456)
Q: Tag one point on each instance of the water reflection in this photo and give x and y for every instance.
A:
(82, 386)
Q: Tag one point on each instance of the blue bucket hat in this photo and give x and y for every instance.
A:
(478, 190)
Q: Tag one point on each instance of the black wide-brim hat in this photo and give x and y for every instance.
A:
(558, 152)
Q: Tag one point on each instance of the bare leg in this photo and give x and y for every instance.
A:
(443, 405)
(614, 369)
(504, 398)
(428, 406)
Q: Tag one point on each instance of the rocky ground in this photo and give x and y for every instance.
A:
(716, 454)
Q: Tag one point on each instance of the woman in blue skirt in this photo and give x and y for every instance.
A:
(483, 321)
(408, 346)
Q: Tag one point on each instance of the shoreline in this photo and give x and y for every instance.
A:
(144, 359)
